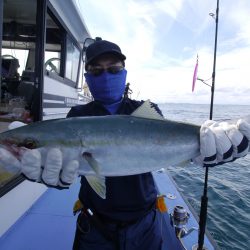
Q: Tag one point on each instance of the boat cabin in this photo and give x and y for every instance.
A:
(41, 44)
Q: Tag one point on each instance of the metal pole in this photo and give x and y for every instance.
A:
(204, 198)
(41, 11)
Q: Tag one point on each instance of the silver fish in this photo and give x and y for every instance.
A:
(116, 145)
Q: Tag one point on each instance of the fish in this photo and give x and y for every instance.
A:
(113, 145)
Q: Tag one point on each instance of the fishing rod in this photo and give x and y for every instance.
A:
(204, 198)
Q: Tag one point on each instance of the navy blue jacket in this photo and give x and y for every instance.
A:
(128, 197)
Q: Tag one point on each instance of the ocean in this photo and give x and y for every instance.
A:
(228, 218)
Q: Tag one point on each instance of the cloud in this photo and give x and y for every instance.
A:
(237, 15)
(171, 7)
(161, 40)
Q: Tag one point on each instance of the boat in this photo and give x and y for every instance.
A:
(42, 46)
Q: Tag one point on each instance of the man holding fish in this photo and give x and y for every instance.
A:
(118, 205)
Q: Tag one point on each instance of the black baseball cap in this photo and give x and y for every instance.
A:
(102, 47)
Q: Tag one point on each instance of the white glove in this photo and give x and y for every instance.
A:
(53, 172)
(222, 142)
(49, 169)
(41, 165)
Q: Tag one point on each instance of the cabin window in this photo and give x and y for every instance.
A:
(17, 82)
(81, 79)
(20, 54)
(72, 61)
(54, 46)
(82, 85)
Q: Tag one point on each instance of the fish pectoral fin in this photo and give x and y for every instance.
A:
(147, 111)
(91, 161)
(98, 184)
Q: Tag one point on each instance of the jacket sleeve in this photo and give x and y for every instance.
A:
(79, 110)
(71, 113)
(76, 111)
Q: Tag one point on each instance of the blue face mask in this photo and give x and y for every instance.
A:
(107, 88)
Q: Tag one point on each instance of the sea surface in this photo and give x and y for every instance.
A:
(228, 185)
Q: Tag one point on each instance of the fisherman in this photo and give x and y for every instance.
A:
(127, 218)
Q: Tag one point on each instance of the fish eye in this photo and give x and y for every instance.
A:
(29, 143)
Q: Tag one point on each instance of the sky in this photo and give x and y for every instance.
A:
(161, 40)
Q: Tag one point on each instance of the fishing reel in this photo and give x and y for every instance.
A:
(179, 219)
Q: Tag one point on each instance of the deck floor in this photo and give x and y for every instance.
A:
(49, 224)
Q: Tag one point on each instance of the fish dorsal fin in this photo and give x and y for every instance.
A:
(147, 111)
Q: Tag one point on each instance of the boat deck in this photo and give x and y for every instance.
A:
(49, 224)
